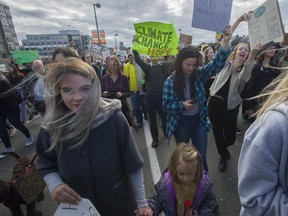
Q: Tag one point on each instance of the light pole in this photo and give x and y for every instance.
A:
(115, 41)
(98, 6)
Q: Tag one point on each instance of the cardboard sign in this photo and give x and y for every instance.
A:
(213, 15)
(156, 39)
(85, 208)
(186, 39)
(122, 54)
(25, 56)
(265, 24)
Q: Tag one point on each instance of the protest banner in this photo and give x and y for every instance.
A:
(101, 36)
(106, 54)
(156, 39)
(185, 40)
(265, 24)
(24, 56)
(122, 54)
(85, 208)
(213, 15)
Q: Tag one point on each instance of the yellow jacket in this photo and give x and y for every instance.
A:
(130, 71)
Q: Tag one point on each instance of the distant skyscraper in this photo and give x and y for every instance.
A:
(8, 37)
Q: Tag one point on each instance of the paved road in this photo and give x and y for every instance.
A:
(225, 184)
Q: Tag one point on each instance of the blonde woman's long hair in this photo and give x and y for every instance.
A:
(188, 154)
(63, 124)
(233, 53)
(276, 92)
(115, 59)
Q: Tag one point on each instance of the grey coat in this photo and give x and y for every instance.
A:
(98, 169)
(237, 83)
(263, 165)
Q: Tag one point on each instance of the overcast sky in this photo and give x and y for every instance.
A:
(118, 16)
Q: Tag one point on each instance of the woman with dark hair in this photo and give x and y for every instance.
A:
(225, 98)
(14, 75)
(184, 97)
(63, 52)
(16, 78)
(261, 76)
(9, 109)
(88, 58)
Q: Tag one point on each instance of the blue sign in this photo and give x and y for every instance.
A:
(213, 15)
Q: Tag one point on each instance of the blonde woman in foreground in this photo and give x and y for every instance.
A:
(85, 147)
(263, 162)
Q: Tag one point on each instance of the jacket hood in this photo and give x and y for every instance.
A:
(282, 108)
(107, 108)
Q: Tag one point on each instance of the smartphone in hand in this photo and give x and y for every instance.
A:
(194, 101)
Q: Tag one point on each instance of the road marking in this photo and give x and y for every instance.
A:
(154, 165)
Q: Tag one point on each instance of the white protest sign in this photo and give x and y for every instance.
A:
(265, 24)
(213, 15)
(85, 208)
(122, 54)
(106, 54)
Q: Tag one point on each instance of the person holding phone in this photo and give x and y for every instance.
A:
(187, 119)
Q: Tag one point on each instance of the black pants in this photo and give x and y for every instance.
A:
(40, 107)
(224, 123)
(14, 119)
(155, 105)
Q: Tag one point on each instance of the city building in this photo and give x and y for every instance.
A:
(8, 37)
(47, 43)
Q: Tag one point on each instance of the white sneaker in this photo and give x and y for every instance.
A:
(3, 156)
(6, 150)
(10, 149)
(29, 141)
(11, 132)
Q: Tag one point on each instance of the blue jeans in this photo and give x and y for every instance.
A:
(189, 128)
(139, 106)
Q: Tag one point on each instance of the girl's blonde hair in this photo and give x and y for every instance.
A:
(115, 59)
(233, 53)
(188, 154)
(63, 124)
(275, 93)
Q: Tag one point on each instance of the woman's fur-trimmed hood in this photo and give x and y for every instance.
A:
(107, 108)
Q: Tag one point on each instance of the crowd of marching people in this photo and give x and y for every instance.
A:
(86, 146)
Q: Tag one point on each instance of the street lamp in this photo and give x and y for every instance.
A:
(98, 6)
(115, 41)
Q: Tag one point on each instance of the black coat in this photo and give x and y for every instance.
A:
(8, 98)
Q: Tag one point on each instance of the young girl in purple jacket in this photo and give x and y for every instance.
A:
(184, 187)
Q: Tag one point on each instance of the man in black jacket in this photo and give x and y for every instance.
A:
(155, 75)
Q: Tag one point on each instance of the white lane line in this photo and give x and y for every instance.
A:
(154, 165)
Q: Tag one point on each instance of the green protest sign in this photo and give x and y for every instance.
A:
(25, 56)
(156, 39)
